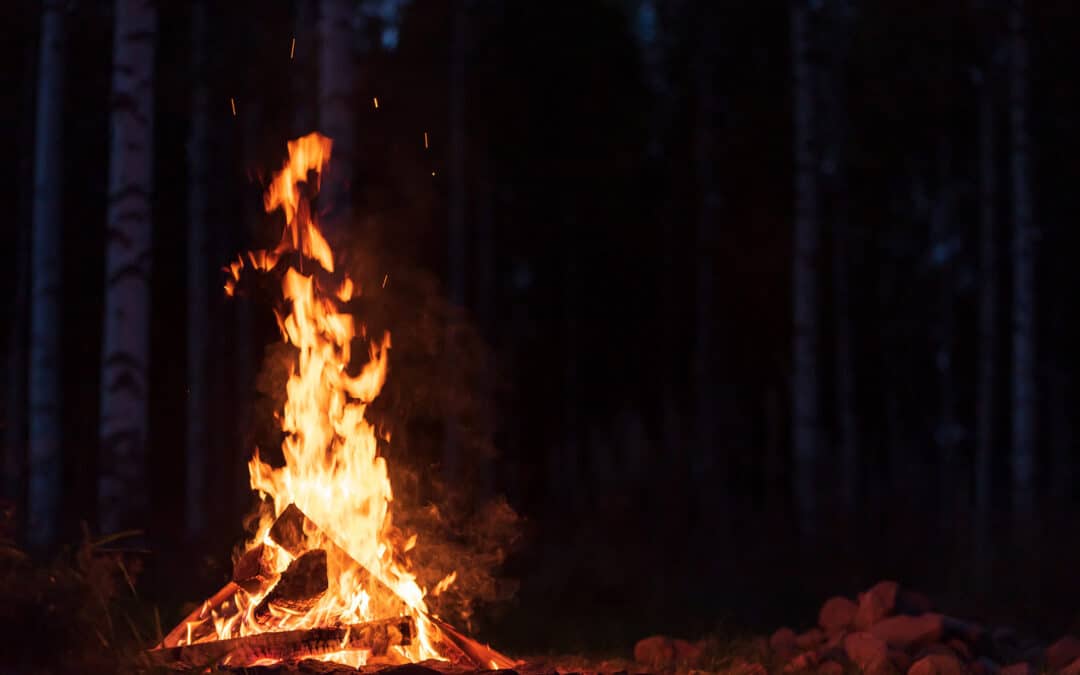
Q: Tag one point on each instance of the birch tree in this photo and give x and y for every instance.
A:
(1023, 253)
(46, 462)
(123, 495)
(197, 280)
(805, 424)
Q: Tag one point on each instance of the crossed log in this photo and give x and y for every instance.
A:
(300, 586)
(375, 636)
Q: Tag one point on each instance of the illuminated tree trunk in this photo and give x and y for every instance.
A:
(46, 465)
(122, 486)
(1023, 320)
(335, 36)
(805, 423)
(197, 281)
(987, 318)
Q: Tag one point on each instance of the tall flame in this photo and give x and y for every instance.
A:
(332, 471)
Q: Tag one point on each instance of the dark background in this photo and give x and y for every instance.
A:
(621, 372)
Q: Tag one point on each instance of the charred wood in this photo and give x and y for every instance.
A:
(300, 586)
(377, 637)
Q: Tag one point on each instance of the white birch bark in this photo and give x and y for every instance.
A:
(123, 493)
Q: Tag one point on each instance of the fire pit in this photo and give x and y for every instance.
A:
(321, 578)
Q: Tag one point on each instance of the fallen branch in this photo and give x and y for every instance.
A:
(376, 637)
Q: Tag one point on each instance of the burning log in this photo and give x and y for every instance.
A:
(253, 570)
(377, 637)
(292, 530)
(200, 615)
(300, 586)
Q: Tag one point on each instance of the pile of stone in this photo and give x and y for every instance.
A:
(886, 630)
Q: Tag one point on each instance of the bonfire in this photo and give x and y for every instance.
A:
(321, 578)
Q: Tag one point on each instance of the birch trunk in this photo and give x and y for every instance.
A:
(1023, 320)
(46, 465)
(336, 74)
(123, 493)
(805, 425)
(197, 281)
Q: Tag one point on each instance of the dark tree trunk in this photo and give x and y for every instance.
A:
(336, 75)
(806, 423)
(455, 217)
(46, 462)
(1023, 320)
(836, 177)
(123, 492)
(706, 409)
(198, 281)
(942, 236)
(988, 339)
(304, 70)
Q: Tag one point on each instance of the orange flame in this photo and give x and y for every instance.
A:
(333, 471)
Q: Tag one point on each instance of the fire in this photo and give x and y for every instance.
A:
(333, 471)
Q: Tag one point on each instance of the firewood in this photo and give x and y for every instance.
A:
(480, 654)
(376, 636)
(300, 586)
(253, 571)
(291, 532)
(288, 530)
(200, 616)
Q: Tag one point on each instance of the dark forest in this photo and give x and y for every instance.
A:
(702, 312)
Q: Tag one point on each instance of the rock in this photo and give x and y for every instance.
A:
(937, 664)
(876, 604)
(1062, 653)
(967, 631)
(1072, 669)
(656, 652)
(688, 653)
(934, 648)
(961, 648)
(837, 615)
(865, 649)
(784, 642)
(913, 603)
(811, 639)
(801, 663)
(905, 632)
(900, 660)
(1021, 668)
(830, 668)
(744, 667)
(984, 666)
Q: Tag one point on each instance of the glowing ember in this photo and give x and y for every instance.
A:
(332, 469)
